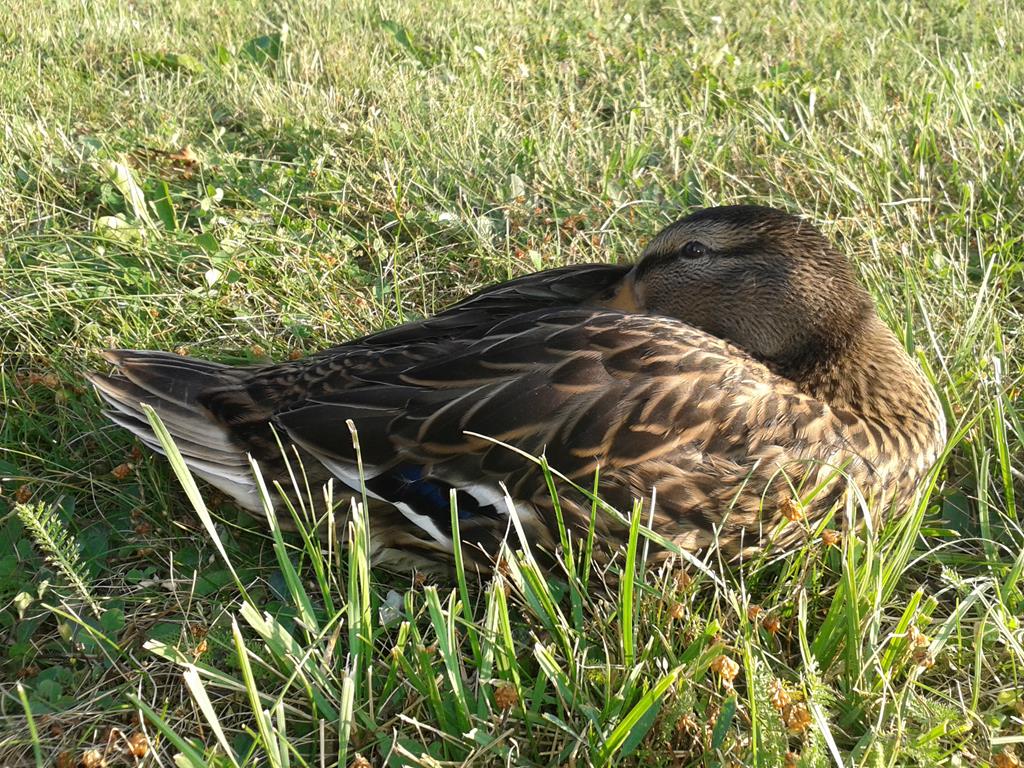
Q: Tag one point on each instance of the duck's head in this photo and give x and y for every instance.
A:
(761, 278)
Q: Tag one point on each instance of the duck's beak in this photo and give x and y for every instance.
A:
(624, 297)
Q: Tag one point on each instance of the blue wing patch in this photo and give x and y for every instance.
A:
(406, 484)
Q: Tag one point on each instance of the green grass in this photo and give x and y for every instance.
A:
(353, 166)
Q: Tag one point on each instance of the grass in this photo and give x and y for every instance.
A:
(255, 180)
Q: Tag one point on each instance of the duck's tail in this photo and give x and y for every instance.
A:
(174, 387)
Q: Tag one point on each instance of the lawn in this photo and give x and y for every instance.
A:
(248, 180)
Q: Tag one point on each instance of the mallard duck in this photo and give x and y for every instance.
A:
(738, 368)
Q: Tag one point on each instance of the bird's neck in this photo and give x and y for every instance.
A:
(873, 380)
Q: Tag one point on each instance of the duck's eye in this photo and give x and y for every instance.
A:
(694, 250)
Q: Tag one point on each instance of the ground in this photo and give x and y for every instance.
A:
(250, 179)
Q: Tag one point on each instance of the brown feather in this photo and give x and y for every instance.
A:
(731, 378)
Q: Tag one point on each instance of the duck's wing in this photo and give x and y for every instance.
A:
(477, 315)
(647, 400)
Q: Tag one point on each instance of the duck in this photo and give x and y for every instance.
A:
(735, 385)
